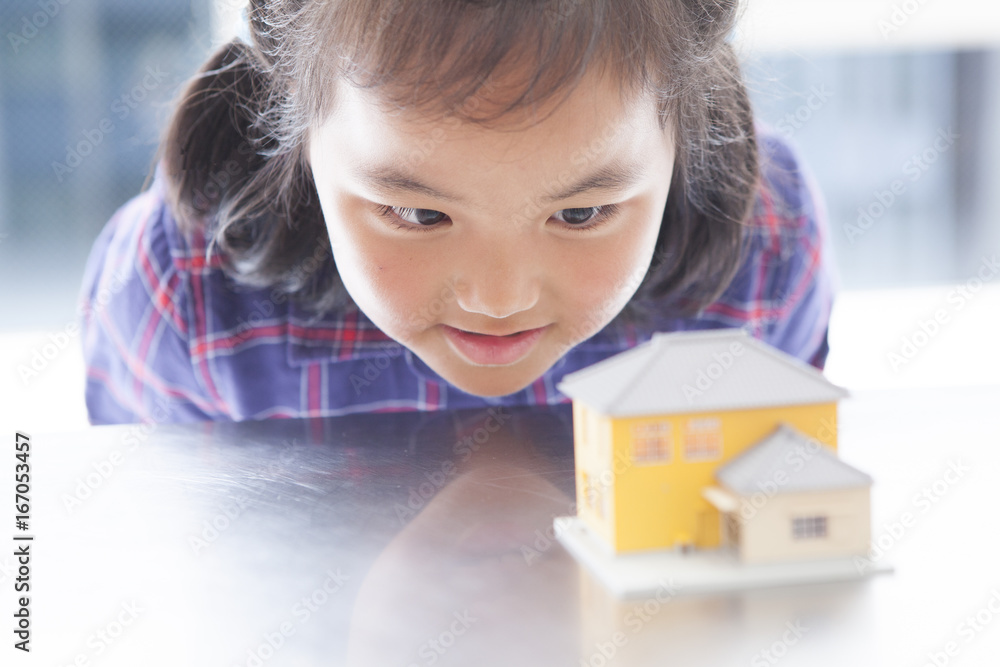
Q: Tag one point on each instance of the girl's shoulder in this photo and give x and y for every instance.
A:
(136, 318)
(789, 207)
(783, 290)
(144, 236)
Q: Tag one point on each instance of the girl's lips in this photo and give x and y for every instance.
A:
(493, 350)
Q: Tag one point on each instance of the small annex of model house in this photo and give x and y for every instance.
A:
(788, 497)
(678, 439)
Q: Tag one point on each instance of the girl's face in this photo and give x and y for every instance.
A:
(490, 252)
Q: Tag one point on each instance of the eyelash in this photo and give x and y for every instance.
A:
(604, 214)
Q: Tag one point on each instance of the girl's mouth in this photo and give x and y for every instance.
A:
(487, 350)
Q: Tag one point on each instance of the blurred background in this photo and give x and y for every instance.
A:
(873, 94)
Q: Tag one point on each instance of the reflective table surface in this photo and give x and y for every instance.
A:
(425, 539)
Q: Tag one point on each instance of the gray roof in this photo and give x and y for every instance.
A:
(696, 371)
(791, 461)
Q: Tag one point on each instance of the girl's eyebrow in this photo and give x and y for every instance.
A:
(616, 175)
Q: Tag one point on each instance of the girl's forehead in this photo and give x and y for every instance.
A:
(592, 136)
(497, 106)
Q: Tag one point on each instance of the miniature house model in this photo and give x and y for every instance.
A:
(698, 440)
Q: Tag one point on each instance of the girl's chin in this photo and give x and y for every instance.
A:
(489, 387)
(447, 360)
(488, 381)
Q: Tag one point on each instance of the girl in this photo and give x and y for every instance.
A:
(378, 205)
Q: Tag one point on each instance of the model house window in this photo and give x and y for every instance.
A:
(651, 442)
(809, 527)
(703, 439)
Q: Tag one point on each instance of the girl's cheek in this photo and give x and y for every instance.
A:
(354, 250)
(602, 292)
(379, 274)
(392, 279)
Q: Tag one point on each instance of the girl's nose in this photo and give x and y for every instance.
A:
(498, 280)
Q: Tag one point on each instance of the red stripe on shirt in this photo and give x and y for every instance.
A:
(433, 393)
(349, 332)
(313, 392)
(202, 347)
(142, 372)
(200, 327)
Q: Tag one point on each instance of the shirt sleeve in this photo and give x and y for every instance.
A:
(783, 291)
(800, 264)
(134, 305)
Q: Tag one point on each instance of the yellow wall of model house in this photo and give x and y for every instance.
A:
(657, 505)
(592, 449)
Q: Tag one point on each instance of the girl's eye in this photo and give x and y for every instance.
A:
(587, 218)
(577, 216)
(419, 217)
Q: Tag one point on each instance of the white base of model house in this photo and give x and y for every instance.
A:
(698, 571)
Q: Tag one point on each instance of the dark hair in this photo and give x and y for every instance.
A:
(234, 153)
